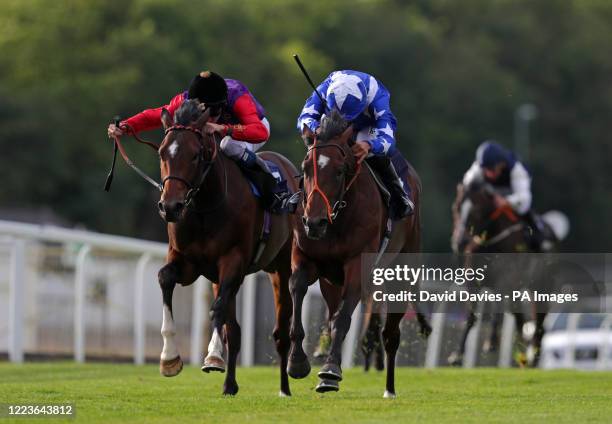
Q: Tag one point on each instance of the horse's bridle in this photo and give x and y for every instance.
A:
(205, 165)
(332, 211)
(507, 211)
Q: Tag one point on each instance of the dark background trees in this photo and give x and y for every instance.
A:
(457, 72)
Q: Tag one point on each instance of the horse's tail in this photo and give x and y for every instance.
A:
(558, 222)
(417, 190)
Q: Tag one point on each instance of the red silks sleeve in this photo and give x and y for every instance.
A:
(250, 129)
(150, 119)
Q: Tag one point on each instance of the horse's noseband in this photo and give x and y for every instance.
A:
(332, 211)
(206, 165)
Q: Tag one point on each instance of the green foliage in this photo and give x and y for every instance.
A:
(457, 72)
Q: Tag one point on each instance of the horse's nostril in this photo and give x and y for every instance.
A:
(304, 220)
(160, 206)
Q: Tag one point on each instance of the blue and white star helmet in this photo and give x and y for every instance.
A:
(347, 94)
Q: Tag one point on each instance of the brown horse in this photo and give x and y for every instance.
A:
(214, 229)
(481, 227)
(344, 216)
(478, 227)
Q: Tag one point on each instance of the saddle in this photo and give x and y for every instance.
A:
(386, 196)
(275, 171)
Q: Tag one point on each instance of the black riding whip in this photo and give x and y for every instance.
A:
(109, 177)
(299, 62)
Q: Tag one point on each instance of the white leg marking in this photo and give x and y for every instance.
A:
(215, 347)
(322, 161)
(173, 149)
(389, 395)
(168, 331)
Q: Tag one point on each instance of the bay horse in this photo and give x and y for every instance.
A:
(214, 227)
(481, 227)
(344, 215)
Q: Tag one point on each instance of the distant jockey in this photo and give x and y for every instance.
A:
(236, 116)
(501, 169)
(364, 102)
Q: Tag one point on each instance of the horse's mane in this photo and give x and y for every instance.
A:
(187, 112)
(332, 126)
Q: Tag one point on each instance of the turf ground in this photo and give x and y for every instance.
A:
(105, 393)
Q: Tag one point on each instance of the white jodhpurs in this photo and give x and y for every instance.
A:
(235, 149)
(366, 134)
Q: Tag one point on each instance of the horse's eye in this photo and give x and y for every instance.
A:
(196, 157)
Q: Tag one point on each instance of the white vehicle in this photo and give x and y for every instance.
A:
(580, 341)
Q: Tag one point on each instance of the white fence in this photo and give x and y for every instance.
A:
(17, 237)
(137, 294)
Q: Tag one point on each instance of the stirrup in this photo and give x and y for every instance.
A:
(285, 202)
(402, 209)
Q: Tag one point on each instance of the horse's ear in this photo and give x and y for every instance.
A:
(202, 120)
(166, 119)
(347, 135)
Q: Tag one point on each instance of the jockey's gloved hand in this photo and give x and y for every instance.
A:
(361, 149)
(115, 131)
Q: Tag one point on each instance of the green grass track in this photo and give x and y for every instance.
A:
(108, 393)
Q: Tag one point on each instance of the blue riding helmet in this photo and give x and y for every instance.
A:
(490, 153)
(347, 94)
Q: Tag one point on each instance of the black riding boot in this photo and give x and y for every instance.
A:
(401, 206)
(536, 231)
(275, 196)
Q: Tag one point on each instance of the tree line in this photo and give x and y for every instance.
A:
(457, 72)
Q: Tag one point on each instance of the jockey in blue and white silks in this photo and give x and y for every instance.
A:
(363, 101)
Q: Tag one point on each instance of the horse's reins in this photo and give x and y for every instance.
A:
(496, 214)
(193, 189)
(128, 161)
(332, 211)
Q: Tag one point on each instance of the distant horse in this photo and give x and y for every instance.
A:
(344, 215)
(215, 225)
(481, 227)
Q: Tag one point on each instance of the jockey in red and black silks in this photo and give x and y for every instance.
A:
(236, 116)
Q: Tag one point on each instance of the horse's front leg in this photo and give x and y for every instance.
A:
(282, 301)
(231, 273)
(233, 335)
(456, 357)
(176, 270)
(214, 356)
(331, 372)
(304, 274)
(533, 353)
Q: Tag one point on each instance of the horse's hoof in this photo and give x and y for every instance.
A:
(214, 364)
(171, 367)
(283, 394)
(489, 346)
(388, 395)
(298, 369)
(230, 389)
(325, 386)
(330, 372)
(455, 359)
(425, 331)
(521, 359)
